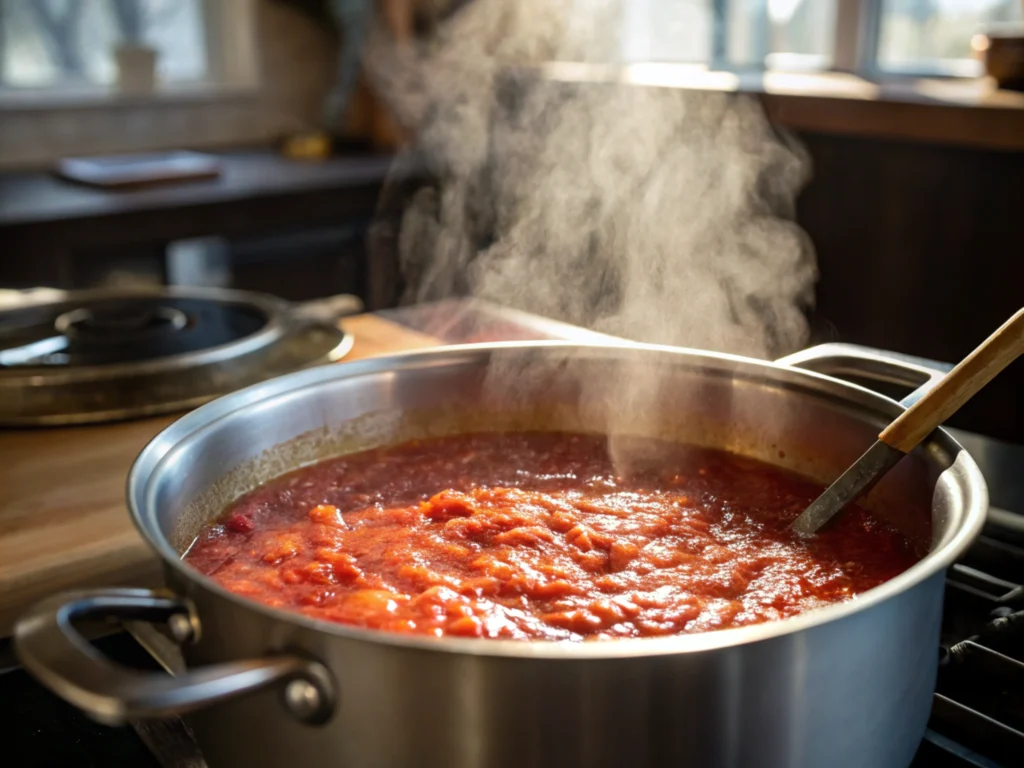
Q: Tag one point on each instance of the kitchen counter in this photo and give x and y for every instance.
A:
(49, 226)
(63, 522)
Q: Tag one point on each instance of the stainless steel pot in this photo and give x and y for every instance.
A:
(846, 685)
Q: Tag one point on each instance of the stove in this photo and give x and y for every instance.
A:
(977, 714)
(94, 356)
(978, 709)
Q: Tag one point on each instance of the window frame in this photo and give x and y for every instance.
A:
(858, 28)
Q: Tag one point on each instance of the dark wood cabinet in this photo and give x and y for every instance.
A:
(920, 250)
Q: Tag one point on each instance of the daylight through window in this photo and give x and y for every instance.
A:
(74, 43)
(903, 36)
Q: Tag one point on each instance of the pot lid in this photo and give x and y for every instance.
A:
(93, 356)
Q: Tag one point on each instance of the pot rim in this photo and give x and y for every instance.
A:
(968, 479)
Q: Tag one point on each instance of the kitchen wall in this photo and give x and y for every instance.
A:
(295, 65)
(921, 250)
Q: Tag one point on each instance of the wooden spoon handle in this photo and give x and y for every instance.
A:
(958, 386)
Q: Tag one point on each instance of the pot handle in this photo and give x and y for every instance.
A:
(63, 660)
(874, 364)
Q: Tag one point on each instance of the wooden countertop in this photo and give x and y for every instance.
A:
(63, 522)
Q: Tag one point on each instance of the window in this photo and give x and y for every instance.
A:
(667, 30)
(869, 36)
(781, 34)
(71, 45)
(934, 36)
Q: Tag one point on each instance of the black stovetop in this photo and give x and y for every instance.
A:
(977, 718)
(37, 729)
(978, 710)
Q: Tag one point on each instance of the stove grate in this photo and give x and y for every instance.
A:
(978, 710)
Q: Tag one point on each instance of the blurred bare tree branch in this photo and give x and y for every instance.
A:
(60, 30)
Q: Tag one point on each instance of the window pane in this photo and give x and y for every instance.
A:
(175, 29)
(667, 30)
(63, 43)
(781, 34)
(934, 36)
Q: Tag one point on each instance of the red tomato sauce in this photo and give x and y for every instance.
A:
(535, 536)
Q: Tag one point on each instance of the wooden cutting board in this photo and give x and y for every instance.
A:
(63, 521)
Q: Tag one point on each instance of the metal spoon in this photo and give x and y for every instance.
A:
(917, 422)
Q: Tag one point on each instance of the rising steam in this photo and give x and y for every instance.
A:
(661, 215)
